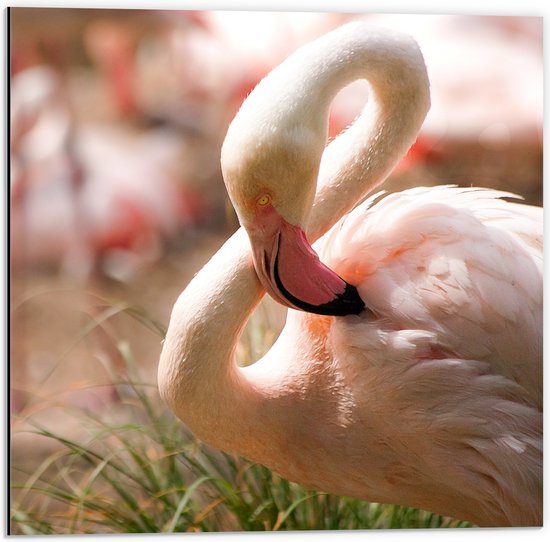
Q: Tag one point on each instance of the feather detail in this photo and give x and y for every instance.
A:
(453, 262)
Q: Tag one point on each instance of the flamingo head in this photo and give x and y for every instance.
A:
(271, 180)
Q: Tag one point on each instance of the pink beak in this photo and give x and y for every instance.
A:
(291, 272)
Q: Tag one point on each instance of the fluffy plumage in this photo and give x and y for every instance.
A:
(460, 263)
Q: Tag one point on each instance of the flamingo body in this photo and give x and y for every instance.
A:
(430, 395)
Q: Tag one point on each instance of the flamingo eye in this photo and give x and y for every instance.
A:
(262, 201)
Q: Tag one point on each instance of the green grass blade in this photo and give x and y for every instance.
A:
(284, 515)
(184, 500)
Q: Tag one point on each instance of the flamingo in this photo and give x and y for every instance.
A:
(409, 370)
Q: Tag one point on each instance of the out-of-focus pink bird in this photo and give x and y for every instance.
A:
(89, 198)
(430, 395)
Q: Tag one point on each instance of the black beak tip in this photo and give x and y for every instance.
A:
(346, 303)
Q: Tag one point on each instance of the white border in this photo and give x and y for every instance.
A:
(487, 7)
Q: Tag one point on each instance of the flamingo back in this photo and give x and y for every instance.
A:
(461, 264)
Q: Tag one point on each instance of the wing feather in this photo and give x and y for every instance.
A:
(462, 264)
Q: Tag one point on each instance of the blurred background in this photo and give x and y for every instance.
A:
(116, 195)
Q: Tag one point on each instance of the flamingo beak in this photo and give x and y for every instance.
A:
(293, 275)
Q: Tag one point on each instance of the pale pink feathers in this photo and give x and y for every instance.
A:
(462, 265)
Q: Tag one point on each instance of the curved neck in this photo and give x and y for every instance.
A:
(198, 376)
(359, 160)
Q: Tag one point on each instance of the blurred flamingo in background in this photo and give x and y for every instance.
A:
(90, 198)
(422, 384)
(44, 168)
(83, 194)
